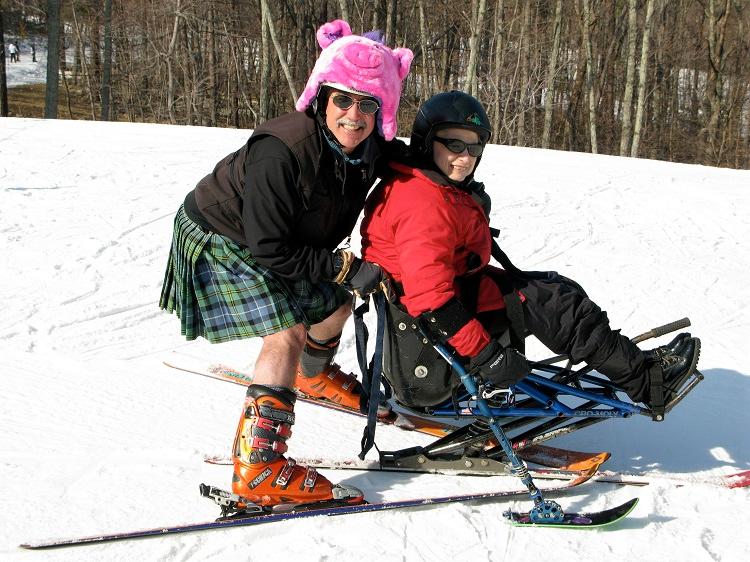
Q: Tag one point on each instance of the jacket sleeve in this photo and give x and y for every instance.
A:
(271, 203)
(426, 240)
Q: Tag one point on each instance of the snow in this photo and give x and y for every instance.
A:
(99, 435)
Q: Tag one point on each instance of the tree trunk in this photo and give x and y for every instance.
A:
(279, 51)
(3, 78)
(499, 35)
(627, 99)
(213, 61)
(344, 9)
(477, 22)
(638, 125)
(590, 77)
(170, 70)
(390, 22)
(86, 71)
(107, 67)
(265, 73)
(524, 89)
(425, 55)
(715, 85)
(551, 73)
(53, 59)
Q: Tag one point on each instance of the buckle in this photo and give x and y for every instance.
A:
(310, 477)
(286, 473)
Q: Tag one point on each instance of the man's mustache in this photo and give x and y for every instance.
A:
(351, 123)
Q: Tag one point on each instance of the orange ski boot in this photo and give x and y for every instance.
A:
(319, 377)
(332, 384)
(262, 474)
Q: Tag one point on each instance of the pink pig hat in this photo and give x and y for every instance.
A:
(361, 65)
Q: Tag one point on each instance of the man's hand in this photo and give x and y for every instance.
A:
(361, 277)
(500, 366)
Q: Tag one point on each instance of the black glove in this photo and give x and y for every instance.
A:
(500, 366)
(364, 277)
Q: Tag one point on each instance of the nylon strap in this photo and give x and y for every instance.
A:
(656, 393)
(371, 374)
(513, 306)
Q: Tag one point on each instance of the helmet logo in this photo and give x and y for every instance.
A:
(474, 119)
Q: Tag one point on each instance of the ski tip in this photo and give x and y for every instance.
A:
(577, 520)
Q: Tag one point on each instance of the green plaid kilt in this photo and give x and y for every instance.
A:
(221, 293)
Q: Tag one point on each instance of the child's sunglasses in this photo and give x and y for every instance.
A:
(457, 146)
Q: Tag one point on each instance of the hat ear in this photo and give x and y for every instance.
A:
(404, 57)
(329, 32)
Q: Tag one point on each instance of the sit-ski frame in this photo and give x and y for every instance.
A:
(477, 402)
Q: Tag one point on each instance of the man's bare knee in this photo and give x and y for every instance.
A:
(292, 338)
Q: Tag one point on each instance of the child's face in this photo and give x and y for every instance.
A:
(456, 167)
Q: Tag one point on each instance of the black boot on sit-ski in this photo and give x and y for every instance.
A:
(670, 366)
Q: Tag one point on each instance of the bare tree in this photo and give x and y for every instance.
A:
(552, 73)
(716, 25)
(277, 46)
(477, 22)
(53, 59)
(265, 75)
(599, 75)
(107, 66)
(3, 79)
(627, 100)
(497, 57)
(586, 24)
(637, 127)
(525, 98)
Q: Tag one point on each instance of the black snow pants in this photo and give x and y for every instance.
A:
(559, 313)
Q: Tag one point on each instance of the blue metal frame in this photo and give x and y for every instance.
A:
(547, 394)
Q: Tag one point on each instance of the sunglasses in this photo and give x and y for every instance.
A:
(367, 106)
(457, 146)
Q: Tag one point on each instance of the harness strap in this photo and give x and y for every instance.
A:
(372, 373)
(513, 305)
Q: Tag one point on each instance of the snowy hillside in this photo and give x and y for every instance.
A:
(98, 435)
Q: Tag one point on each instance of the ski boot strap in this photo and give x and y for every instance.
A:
(656, 391)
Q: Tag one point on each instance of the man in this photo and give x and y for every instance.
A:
(428, 229)
(254, 253)
(13, 50)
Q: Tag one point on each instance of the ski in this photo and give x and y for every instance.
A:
(409, 422)
(466, 466)
(561, 471)
(576, 520)
(265, 517)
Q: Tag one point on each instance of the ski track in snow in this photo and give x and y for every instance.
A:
(98, 435)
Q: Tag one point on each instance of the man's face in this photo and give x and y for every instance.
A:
(350, 126)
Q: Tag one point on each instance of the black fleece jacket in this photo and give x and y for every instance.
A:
(298, 198)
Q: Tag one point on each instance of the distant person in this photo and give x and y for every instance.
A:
(13, 50)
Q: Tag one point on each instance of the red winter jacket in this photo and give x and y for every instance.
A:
(422, 231)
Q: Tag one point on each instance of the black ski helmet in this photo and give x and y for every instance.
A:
(449, 109)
